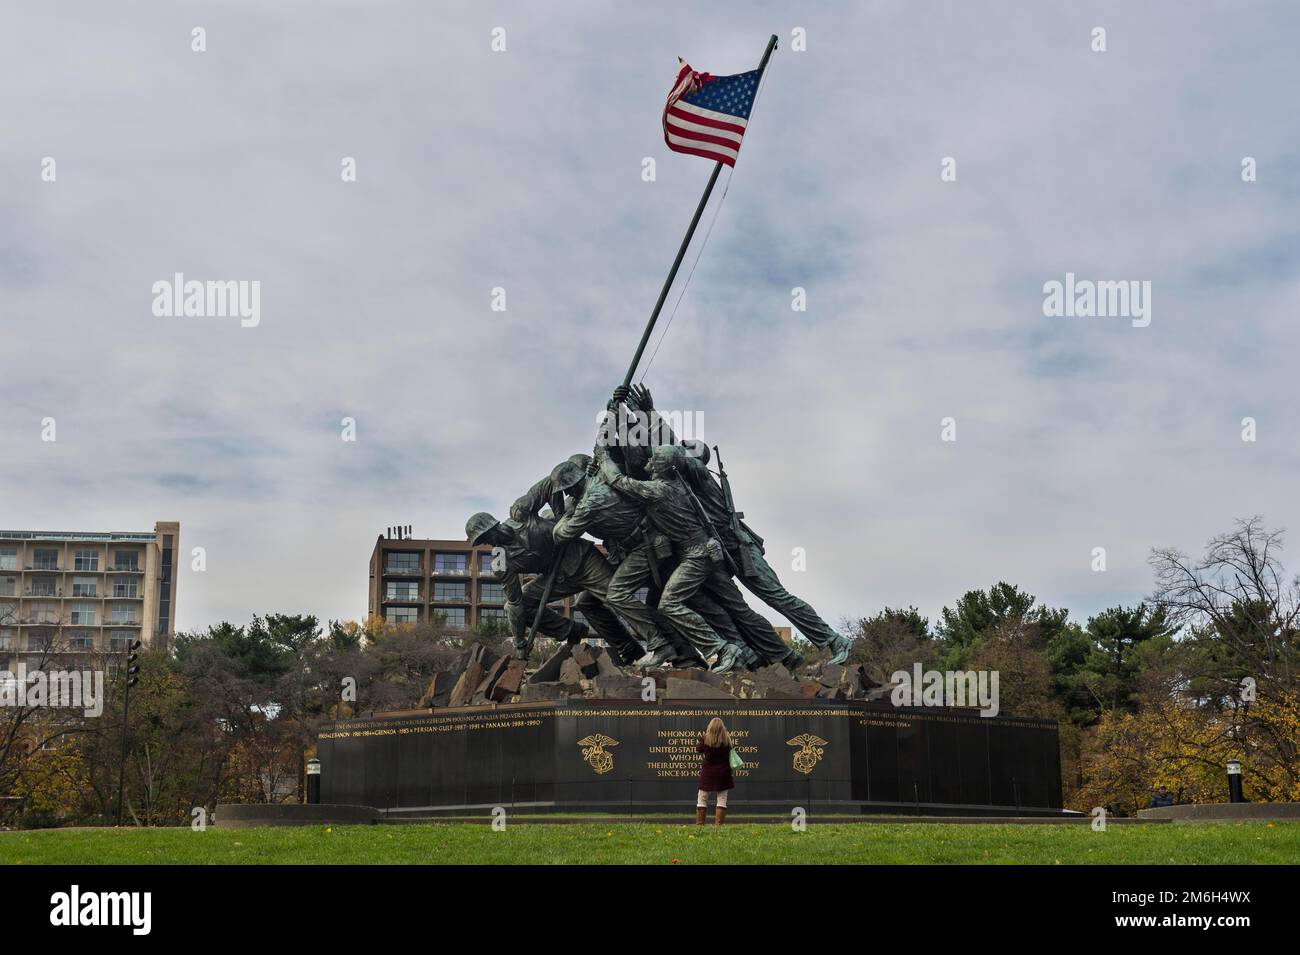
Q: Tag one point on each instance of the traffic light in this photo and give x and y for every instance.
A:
(132, 666)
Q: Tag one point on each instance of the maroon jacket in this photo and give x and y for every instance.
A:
(715, 768)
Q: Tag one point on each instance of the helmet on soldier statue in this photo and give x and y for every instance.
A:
(695, 448)
(478, 525)
(567, 474)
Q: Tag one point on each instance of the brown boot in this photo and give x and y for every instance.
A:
(720, 817)
(700, 813)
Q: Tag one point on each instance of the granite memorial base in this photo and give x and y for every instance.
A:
(620, 756)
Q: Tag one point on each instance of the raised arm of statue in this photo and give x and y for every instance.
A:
(531, 502)
(648, 491)
(575, 523)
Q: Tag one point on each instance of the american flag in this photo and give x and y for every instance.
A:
(706, 115)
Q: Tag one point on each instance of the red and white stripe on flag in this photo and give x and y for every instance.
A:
(698, 130)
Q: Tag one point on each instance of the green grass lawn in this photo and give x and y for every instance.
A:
(649, 843)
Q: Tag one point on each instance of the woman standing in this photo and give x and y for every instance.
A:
(715, 771)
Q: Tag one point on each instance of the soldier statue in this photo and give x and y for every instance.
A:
(529, 548)
(744, 547)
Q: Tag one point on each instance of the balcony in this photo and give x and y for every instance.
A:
(126, 569)
(402, 599)
(401, 571)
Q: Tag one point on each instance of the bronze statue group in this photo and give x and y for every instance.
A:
(663, 582)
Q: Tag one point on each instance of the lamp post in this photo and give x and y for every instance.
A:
(313, 781)
(132, 678)
(1234, 781)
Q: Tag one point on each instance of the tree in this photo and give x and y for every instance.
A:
(980, 612)
(1238, 597)
(1112, 669)
(891, 640)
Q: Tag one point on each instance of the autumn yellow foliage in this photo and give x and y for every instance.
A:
(1185, 748)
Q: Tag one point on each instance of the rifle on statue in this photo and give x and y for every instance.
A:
(737, 528)
(707, 523)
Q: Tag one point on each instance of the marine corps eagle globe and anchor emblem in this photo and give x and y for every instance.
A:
(809, 753)
(593, 751)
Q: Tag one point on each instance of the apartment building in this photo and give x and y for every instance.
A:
(420, 581)
(84, 591)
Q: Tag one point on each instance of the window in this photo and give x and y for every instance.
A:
(8, 639)
(449, 563)
(125, 587)
(491, 614)
(485, 565)
(44, 613)
(8, 586)
(86, 560)
(453, 617)
(8, 558)
(83, 614)
(84, 586)
(165, 584)
(43, 587)
(120, 641)
(81, 640)
(40, 641)
(492, 593)
(445, 591)
(126, 560)
(46, 559)
(8, 612)
(122, 614)
(402, 590)
(403, 563)
(402, 615)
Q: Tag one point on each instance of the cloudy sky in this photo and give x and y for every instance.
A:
(523, 170)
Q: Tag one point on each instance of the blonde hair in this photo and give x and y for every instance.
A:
(716, 734)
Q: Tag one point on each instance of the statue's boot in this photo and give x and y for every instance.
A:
(840, 648)
(578, 632)
(628, 654)
(689, 663)
(728, 659)
(793, 661)
(663, 657)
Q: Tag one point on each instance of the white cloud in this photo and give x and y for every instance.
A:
(522, 170)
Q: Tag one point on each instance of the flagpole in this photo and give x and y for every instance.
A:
(549, 583)
(690, 232)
